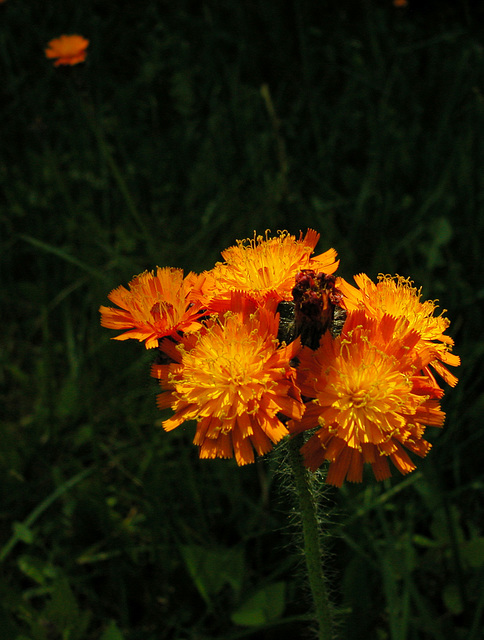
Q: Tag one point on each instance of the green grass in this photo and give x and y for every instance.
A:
(190, 125)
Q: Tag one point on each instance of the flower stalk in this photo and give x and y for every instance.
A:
(312, 541)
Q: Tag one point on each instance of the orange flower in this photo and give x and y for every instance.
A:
(400, 3)
(265, 268)
(155, 306)
(67, 49)
(234, 379)
(398, 297)
(370, 399)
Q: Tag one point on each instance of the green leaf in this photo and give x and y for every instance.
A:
(452, 599)
(442, 231)
(22, 532)
(263, 606)
(36, 569)
(63, 612)
(112, 632)
(67, 402)
(473, 552)
(211, 569)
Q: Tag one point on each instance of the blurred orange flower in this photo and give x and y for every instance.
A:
(369, 398)
(68, 50)
(265, 267)
(235, 380)
(156, 305)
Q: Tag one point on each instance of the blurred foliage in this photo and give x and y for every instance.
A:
(192, 124)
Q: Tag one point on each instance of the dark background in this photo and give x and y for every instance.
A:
(192, 124)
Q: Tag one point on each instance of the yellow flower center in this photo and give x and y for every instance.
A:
(263, 264)
(398, 297)
(225, 373)
(266, 266)
(359, 399)
(366, 392)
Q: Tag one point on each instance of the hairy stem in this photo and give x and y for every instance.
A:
(312, 542)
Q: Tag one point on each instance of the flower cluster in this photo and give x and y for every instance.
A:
(269, 344)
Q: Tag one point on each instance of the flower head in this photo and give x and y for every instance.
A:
(156, 305)
(369, 398)
(398, 297)
(68, 50)
(234, 379)
(265, 267)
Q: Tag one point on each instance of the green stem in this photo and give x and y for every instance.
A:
(312, 542)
